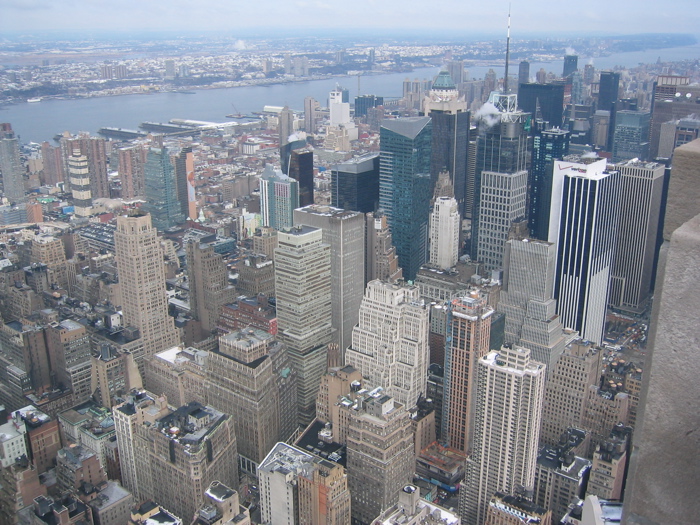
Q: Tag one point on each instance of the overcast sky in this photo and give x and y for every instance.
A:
(469, 16)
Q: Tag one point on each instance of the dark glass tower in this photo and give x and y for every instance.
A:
(355, 184)
(301, 169)
(547, 146)
(365, 102)
(543, 100)
(404, 187)
(570, 65)
(161, 190)
(450, 142)
(501, 147)
(607, 100)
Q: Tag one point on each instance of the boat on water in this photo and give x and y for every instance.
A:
(36, 99)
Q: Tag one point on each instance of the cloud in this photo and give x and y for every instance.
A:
(488, 114)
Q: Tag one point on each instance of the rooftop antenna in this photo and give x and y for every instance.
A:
(505, 80)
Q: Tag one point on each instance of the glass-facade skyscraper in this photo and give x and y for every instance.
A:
(404, 187)
(548, 145)
(355, 184)
(161, 190)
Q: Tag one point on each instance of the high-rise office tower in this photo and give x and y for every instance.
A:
(503, 202)
(577, 369)
(364, 102)
(54, 171)
(184, 179)
(570, 65)
(355, 183)
(304, 316)
(469, 329)
(675, 133)
(160, 190)
(142, 280)
(132, 161)
(381, 261)
(526, 299)
(380, 459)
(404, 187)
(548, 145)
(608, 89)
(286, 125)
(182, 453)
(207, 276)
(450, 120)
(507, 406)
(241, 379)
(311, 106)
(68, 346)
(94, 148)
(344, 231)
(445, 226)
(523, 73)
(301, 169)
(11, 165)
(545, 101)
(79, 177)
(641, 190)
(279, 196)
(583, 224)
(455, 68)
(339, 108)
(631, 137)
(588, 74)
(501, 147)
(390, 343)
(610, 459)
(299, 487)
(673, 98)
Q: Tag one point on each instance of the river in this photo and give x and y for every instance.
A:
(36, 122)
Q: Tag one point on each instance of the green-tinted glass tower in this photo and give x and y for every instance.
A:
(161, 190)
(404, 187)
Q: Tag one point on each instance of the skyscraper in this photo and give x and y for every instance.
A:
(160, 190)
(631, 137)
(364, 102)
(608, 90)
(311, 106)
(508, 404)
(523, 73)
(390, 343)
(544, 101)
(501, 147)
(583, 224)
(548, 145)
(503, 202)
(570, 65)
(673, 98)
(445, 227)
(450, 121)
(355, 183)
(95, 149)
(207, 276)
(404, 187)
(381, 261)
(299, 487)
(11, 165)
(380, 459)
(184, 179)
(641, 195)
(468, 333)
(286, 125)
(79, 177)
(304, 317)
(526, 299)
(344, 231)
(279, 196)
(139, 259)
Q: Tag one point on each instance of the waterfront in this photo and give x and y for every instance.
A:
(37, 122)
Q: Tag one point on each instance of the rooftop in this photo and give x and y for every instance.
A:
(190, 423)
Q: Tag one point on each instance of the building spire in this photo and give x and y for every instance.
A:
(505, 79)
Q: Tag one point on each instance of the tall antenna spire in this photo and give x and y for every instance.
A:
(505, 80)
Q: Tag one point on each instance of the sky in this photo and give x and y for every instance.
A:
(420, 16)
